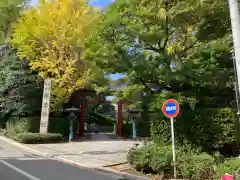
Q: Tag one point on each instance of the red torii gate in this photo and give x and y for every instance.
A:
(119, 116)
(81, 96)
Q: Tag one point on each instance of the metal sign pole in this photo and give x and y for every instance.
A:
(170, 109)
(173, 150)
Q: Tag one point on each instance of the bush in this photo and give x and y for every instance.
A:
(17, 125)
(209, 129)
(59, 125)
(140, 158)
(161, 159)
(143, 129)
(196, 166)
(157, 158)
(160, 128)
(100, 119)
(152, 158)
(230, 166)
(37, 138)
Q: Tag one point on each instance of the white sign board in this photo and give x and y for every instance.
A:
(45, 106)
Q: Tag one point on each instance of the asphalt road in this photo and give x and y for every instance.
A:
(16, 164)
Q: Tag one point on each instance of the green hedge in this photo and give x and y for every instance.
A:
(210, 129)
(59, 125)
(32, 124)
(230, 166)
(143, 129)
(36, 138)
(191, 163)
(100, 119)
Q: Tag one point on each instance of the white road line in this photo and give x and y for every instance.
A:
(19, 170)
(30, 158)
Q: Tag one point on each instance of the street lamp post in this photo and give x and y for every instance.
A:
(134, 115)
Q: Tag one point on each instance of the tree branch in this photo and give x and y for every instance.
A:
(152, 48)
(161, 48)
(167, 26)
(187, 48)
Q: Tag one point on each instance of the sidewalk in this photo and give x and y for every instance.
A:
(93, 154)
(98, 152)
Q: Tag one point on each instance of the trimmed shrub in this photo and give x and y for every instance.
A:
(196, 166)
(161, 159)
(59, 125)
(157, 158)
(140, 158)
(32, 124)
(160, 129)
(100, 119)
(17, 125)
(143, 129)
(152, 158)
(209, 129)
(37, 138)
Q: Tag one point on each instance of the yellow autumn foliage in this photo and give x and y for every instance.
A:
(52, 37)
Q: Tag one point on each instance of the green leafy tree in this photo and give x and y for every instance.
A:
(9, 13)
(21, 89)
(165, 43)
(171, 49)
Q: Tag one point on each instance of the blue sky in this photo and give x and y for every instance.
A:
(101, 3)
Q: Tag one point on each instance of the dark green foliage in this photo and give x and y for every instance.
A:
(160, 128)
(209, 129)
(96, 114)
(143, 129)
(20, 89)
(153, 158)
(37, 138)
(230, 166)
(57, 125)
(140, 159)
(157, 158)
(197, 166)
(16, 125)
(26, 130)
(161, 159)
(184, 47)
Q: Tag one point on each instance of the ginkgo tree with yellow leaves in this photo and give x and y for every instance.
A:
(52, 36)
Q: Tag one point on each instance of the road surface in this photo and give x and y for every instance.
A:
(16, 164)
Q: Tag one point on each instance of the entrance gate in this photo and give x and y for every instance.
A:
(79, 99)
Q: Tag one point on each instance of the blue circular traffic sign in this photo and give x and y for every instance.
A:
(170, 108)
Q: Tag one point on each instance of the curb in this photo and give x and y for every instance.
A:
(116, 172)
(100, 169)
(21, 146)
(103, 170)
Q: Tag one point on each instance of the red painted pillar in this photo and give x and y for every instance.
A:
(82, 116)
(119, 119)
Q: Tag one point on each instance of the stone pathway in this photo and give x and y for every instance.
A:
(99, 151)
